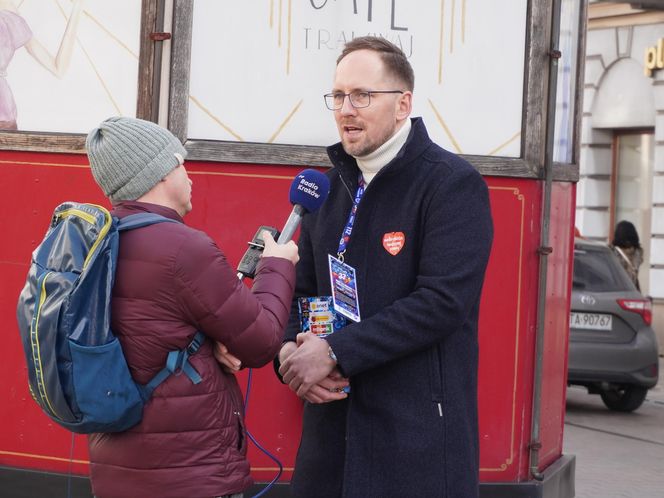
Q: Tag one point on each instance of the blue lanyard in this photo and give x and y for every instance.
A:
(345, 236)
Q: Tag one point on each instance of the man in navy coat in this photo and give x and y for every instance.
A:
(409, 226)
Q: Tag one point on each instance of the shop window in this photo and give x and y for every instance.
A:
(631, 187)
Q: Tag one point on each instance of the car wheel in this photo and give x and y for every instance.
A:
(624, 399)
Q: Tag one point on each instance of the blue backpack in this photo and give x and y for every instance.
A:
(76, 370)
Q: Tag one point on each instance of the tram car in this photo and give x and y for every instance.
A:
(241, 84)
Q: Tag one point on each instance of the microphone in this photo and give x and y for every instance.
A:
(308, 192)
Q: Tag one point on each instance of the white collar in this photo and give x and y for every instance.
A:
(372, 163)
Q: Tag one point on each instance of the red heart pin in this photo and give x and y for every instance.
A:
(393, 242)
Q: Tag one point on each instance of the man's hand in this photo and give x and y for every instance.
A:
(229, 363)
(308, 365)
(328, 389)
(286, 350)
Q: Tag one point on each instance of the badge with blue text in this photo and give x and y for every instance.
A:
(344, 289)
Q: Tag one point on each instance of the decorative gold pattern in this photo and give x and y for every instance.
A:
(241, 175)
(92, 64)
(110, 35)
(32, 163)
(87, 462)
(290, 25)
(101, 80)
(42, 457)
(452, 27)
(191, 172)
(214, 118)
(456, 145)
(521, 199)
(271, 14)
(463, 21)
(272, 138)
(440, 41)
(281, 9)
(284, 123)
(505, 144)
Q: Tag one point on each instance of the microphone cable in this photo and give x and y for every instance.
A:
(257, 444)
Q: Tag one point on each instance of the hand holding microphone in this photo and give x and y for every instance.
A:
(308, 191)
(272, 249)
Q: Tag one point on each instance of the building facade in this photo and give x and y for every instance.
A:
(622, 139)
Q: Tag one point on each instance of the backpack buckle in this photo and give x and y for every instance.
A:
(195, 343)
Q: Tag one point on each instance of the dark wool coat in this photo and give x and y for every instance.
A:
(172, 280)
(409, 425)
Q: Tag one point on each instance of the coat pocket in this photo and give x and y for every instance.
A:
(435, 373)
(241, 436)
(238, 420)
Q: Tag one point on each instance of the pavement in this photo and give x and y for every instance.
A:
(618, 455)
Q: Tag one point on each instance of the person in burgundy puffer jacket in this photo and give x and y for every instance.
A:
(172, 281)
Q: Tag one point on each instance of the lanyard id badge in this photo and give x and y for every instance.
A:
(344, 289)
(342, 276)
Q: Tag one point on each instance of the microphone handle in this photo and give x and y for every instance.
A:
(292, 223)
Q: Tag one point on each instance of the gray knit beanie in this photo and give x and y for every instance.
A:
(129, 156)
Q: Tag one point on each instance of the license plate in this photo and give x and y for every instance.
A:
(590, 321)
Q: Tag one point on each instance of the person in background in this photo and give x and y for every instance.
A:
(626, 245)
(172, 281)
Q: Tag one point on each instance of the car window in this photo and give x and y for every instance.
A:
(597, 269)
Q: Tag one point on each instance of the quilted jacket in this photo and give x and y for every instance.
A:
(171, 281)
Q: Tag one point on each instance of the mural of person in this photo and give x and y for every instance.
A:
(14, 34)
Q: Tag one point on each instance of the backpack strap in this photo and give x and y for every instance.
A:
(177, 362)
(142, 220)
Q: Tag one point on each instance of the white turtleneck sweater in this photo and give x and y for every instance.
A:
(372, 163)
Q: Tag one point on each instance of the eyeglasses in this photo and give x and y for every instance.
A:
(358, 98)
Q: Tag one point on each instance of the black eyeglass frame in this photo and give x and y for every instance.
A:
(330, 96)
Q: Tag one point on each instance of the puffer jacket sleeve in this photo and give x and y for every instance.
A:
(249, 322)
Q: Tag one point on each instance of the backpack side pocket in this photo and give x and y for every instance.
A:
(106, 394)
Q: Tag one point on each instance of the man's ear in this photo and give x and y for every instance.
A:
(404, 105)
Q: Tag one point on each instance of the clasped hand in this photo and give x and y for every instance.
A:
(305, 366)
(309, 371)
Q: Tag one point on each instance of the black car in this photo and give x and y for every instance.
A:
(612, 348)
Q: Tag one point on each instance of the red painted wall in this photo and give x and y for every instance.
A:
(230, 201)
(556, 328)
